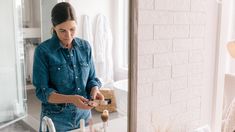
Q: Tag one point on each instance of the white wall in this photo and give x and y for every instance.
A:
(176, 56)
(84, 7)
(46, 25)
(110, 10)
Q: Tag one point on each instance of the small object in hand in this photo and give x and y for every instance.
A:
(95, 103)
(101, 102)
(105, 115)
(92, 103)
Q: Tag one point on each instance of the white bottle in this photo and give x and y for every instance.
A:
(82, 125)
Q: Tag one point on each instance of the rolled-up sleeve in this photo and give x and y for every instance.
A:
(92, 79)
(41, 75)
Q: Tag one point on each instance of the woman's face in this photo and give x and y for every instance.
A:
(65, 32)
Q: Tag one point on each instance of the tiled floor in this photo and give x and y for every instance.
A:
(19, 126)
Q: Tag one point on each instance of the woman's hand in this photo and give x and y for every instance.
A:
(77, 100)
(96, 94)
(80, 102)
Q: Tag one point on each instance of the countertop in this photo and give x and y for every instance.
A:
(115, 125)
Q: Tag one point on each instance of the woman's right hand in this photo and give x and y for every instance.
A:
(77, 100)
(80, 102)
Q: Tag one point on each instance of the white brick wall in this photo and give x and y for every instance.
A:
(179, 83)
(197, 31)
(156, 17)
(171, 64)
(179, 70)
(161, 60)
(173, 31)
(147, 60)
(197, 44)
(198, 5)
(182, 44)
(145, 32)
(146, 4)
(172, 5)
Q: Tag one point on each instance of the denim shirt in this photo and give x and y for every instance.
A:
(64, 71)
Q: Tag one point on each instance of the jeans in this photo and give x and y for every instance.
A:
(65, 117)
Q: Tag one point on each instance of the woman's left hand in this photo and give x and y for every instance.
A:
(96, 94)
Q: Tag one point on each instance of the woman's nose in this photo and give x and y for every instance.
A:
(67, 34)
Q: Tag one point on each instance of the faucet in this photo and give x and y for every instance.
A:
(47, 122)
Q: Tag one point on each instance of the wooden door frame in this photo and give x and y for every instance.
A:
(133, 66)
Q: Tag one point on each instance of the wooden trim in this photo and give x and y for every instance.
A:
(133, 67)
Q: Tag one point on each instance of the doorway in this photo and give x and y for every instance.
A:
(120, 23)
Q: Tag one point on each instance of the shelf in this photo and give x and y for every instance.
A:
(31, 32)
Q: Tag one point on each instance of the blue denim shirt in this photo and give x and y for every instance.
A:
(57, 69)
(64, 71)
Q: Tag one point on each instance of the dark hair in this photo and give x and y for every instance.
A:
(62, 12)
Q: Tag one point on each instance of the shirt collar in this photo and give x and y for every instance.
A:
(56, 45)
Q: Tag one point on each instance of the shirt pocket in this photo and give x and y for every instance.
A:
(59, 74)
(84, 70)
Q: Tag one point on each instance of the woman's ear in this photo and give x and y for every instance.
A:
(53, 30)
(231, 48)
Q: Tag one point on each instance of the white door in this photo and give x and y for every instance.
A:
(12, 80)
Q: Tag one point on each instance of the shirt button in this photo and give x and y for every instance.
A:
(78, 88)
(74, 65)
(76, 77)
(71, 54)
(58, 68)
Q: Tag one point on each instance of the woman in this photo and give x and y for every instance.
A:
(64, 73)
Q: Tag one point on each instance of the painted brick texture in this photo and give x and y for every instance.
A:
(171, 56)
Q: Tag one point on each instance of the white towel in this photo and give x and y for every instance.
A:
(103, 49)
(29, 48)
(87, 31)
